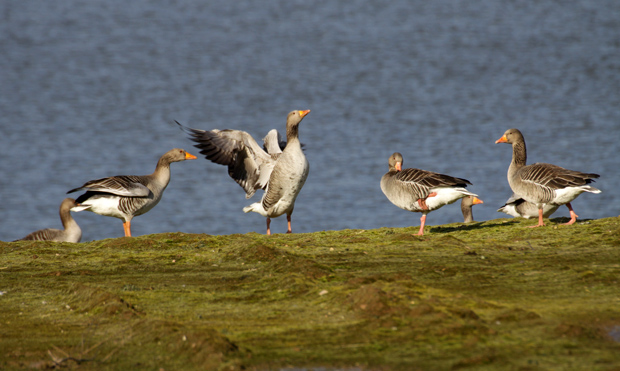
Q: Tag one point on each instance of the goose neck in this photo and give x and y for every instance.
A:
(519, 154)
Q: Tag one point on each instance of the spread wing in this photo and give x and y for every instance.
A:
(273, 143)
(248, 164)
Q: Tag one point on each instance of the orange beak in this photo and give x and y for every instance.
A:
(189, 156)
(477, 201)
(503, 139)
(399, 166)
(304, 113)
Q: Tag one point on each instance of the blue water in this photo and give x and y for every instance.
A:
(91, 89)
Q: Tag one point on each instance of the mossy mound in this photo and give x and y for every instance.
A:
(490, 295)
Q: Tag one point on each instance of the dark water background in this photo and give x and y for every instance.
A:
(91, 89)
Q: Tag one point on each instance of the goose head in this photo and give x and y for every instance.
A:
(510, 136)
(176, 155)
(395, 162)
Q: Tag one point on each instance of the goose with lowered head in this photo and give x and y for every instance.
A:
(70, 233)
(467, 203)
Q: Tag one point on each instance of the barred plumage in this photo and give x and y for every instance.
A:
(48, 234)
(71, 232)
(134, 205)
(121, 185)
(420, 190)
(544, 185)
(420, 182)
(126, 196)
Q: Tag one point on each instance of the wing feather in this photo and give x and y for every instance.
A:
(555, 177)
(121, 185)
(420, 182)
(248, 163)
(42, 235)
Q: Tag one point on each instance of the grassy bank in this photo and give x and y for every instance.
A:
(487, 296)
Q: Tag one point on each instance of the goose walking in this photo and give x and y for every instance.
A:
(420, 190)
(281, 173)
(70, 233)
(467, 203)
(518, 207)
(127, 196)
(544, 184)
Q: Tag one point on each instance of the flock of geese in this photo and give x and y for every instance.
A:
(281, 168)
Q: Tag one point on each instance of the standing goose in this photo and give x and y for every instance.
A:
(71, 233)
(543, 184)
(420, 190)
(467, 203)
(518, 207)
(126, 196)
(281, 173)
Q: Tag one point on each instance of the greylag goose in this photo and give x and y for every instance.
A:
(543, 184)
(71, 233)
(467, 203)
(281, 173)
(420, 190)
(518, 207)
(126, 196)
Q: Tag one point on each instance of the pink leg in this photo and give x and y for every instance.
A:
(268, 229)
(540, 219)
(288, 219)
(422, 201)
(127, 228)
(573, 216)
(422, 222)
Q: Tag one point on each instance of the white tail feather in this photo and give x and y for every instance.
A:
(257, 207)
(79, 208)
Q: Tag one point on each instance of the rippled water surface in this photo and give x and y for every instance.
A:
(91, 89)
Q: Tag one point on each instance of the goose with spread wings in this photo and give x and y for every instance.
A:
(281, 173)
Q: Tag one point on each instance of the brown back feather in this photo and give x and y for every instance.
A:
(555, 177)
(420, 182)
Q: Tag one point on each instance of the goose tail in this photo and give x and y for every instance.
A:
(80, 207)
(256, 207)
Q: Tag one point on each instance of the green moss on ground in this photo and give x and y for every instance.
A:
(492, 295)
